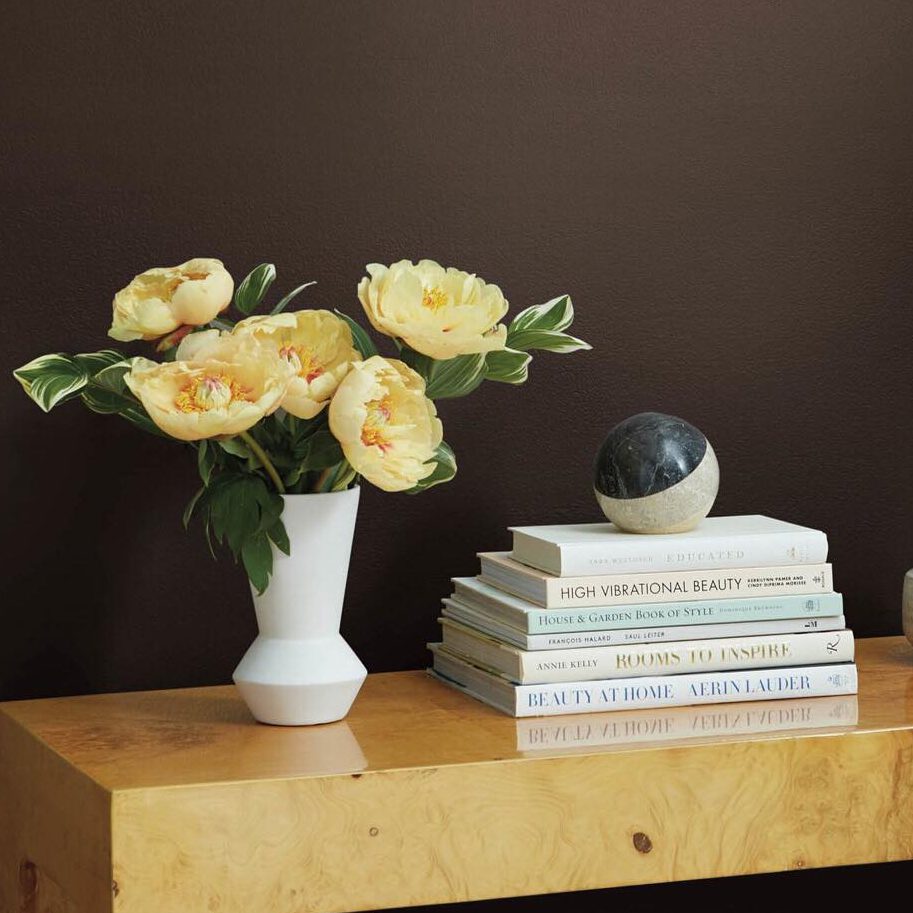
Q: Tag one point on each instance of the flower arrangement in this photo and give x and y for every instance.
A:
(289, 402)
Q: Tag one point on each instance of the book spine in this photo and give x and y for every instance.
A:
(627, 726)
(782, 549)
(671, 634)
(632, 589)
(630, 661)
(710, 611)
(682, 690)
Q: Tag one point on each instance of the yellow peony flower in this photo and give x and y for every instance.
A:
(160, 300)
(386, 425)
(225, 393)
(194, 346)
(318, 344)
(439, 312)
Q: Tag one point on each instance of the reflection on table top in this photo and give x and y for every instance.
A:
(408, 720)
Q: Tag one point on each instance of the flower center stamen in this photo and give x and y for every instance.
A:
(303, 361)
(380, 411)
(434, 298)
(213, 391)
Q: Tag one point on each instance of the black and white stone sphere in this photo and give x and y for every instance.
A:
(656, 473)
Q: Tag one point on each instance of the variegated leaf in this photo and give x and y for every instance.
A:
(546, 340)
(284, 302)
(253, 288)
(56, 378)
(507, 366)
(452, 377)
(557, 315)
(444, 470)
(107, 394)
(360, 339)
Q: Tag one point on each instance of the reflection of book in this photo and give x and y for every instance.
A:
(534, 619)
(636, 660)
(583, 549)
(636, 589)
(628, 726)
(650, 691)
(482, 621)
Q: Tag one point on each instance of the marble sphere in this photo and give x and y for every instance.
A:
(656, 473)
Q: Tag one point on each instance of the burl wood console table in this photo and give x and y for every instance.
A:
(177, 802)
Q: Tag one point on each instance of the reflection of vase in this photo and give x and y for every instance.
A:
(303, 751)
(908, 605)
(299, 670)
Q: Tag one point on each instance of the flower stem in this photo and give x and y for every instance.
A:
(264, 460)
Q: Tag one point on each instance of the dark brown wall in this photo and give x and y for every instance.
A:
(724, 188)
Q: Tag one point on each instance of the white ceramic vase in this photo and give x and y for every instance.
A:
(299, 671)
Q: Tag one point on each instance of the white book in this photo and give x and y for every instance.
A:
(537, 667)
(499, 570)
(533, 619)
(477, 618)
(639, 693)
(624, 727)
(585, 549)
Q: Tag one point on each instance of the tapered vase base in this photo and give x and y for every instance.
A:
(299, 682)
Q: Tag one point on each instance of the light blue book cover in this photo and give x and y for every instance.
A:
(533, 619)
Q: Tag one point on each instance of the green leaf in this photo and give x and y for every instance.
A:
(339, 478)
(271, 505)
(450, 378)
(257, 556)
(557, 315)
(241, 505)
(291, 478)
(56, 378)
(241, 511)
(108, 394)
(444, 470)
(361, 340)
(507, 366)
(344, 476)
(51, 379)
(206, 460)
(283, 304)
(238, 512)
(191, 506)
(253, 287)
(319, 451)
(236, 447)
(418, 362)
(542, 327)
(93, 362)
(547, 340)
(455, 376)
(279, 537)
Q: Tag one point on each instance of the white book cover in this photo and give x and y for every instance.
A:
(477, 618)
(626, 727)
(637, 660)
(550, 592)
(585, 549)
(642, 693)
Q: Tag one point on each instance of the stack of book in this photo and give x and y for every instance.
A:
(581, 618)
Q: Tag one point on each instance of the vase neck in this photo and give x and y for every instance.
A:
(305, 595)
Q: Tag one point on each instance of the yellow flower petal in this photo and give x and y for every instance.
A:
(439, 312)
(223, 394)
(162, 299)
(387, 427)
(317, 344)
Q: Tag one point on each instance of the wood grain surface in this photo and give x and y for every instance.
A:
(422, 796)
(55, 830)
